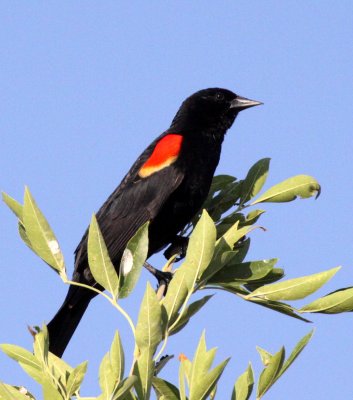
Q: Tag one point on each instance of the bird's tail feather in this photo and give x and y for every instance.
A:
(63, 325)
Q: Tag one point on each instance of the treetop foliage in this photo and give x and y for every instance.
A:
(219, 243)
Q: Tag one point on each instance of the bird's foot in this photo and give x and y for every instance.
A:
(163, 277)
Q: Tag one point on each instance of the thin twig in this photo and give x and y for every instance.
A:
(110, 299)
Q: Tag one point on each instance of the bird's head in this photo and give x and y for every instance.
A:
(214, 108)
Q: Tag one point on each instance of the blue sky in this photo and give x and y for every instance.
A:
(85, 86)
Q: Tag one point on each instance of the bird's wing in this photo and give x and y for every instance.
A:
(138, 203)
(138, 199)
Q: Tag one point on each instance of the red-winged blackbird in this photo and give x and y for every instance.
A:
(167, 186)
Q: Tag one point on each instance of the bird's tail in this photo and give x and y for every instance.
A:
(63, 325)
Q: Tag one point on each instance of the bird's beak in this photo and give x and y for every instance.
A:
(241, 103)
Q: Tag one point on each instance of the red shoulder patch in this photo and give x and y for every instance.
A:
(163, 155)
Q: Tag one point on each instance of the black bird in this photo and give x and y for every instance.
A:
(167, 186)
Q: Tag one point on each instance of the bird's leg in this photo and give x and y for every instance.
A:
(162, 277)
(178, 247)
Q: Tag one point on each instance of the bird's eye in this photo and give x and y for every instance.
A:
(219, 96)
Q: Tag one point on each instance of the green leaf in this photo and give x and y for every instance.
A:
(176, 294)
(124, 388)
(241, 249)
(244, 385)
(187, 365)
(35, 373)
(228, 250)
(252, 217)
(24, 391)
(8, 392)
(117, 357)
(218, 260)
(132, 261)
(199, 254)
(144, 369)
(294, 289)
(224, 200)
(99, 261)
(13, 205)
(201, 362)
(149, 330)
(161, 363)
(107, 377)
(41, 345)
(111, 369)
(230, 236)
(183, 374)
(275, 275)
(228, 222)
(264, 355)
(148, 335)
(165, 390)
(20, 354)
(201, 245)
(219, 182)
(295, 353)
(303, 186)
(60, 370)
(213, 393)
(234, 288)
(17, 209)
(41, 236)
(75, 378)
(244, 272)
(29, 363)
(209, 383)
(270, 373)
(275, 366)
(203, 381)
(50, 392)
(333, 303)
(232, 218)
(190, 311)
(255, 180)
(234, 234)
(23, 235)
(282, 308)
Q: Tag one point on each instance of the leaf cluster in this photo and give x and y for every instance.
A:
(215, 259)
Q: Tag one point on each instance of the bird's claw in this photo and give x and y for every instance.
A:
(163, 277)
